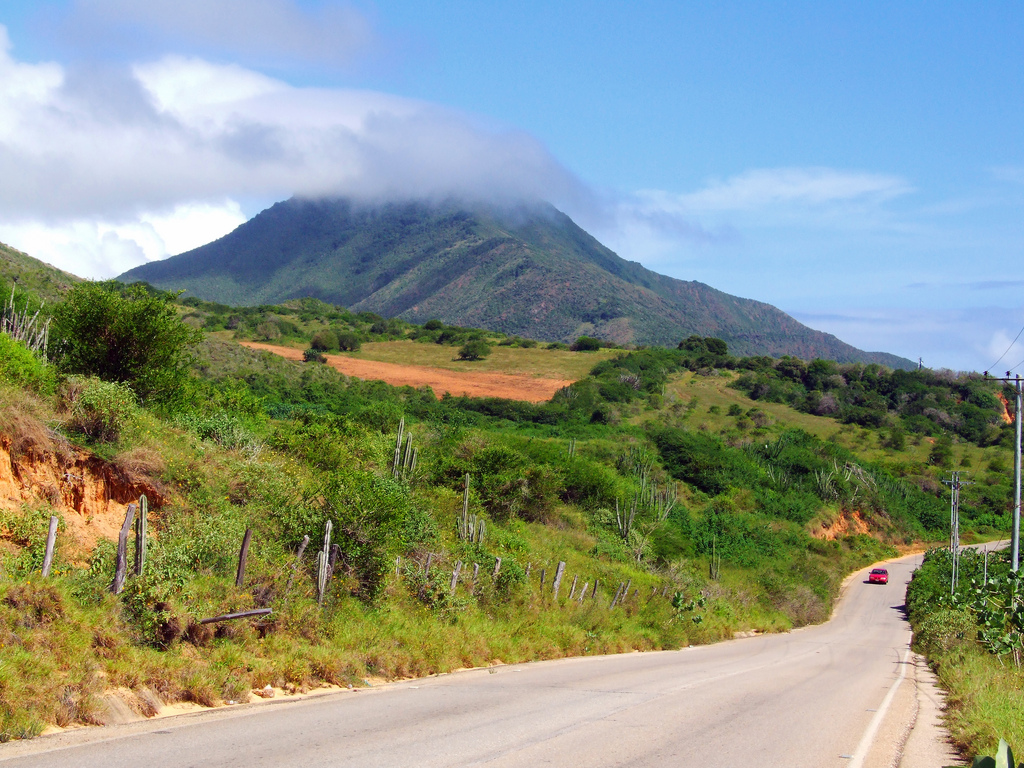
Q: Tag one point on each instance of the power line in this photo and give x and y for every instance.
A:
(1008, 349)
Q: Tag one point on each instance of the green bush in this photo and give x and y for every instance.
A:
(100, 410)
(477, 349)
(586, 344)
(20, 367)
(123, 334)
(348, 342)
(944, 631)
(324, 341)
(314, 356)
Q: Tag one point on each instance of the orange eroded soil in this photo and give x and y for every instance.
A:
(472, 383)
(90, 494)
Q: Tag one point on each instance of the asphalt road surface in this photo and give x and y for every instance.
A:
(820, 696)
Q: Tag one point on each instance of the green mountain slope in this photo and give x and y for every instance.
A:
(49, 284)
(529, 271)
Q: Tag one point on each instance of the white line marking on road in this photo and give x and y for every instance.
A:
(869, 735)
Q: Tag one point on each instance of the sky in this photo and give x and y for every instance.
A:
(858, 165)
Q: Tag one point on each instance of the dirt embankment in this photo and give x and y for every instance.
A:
(88, 493)
(474, 384)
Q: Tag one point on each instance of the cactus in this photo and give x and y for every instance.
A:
(141, 529)
(323, 558)
(396, 461)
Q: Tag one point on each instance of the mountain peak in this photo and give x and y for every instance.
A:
(524, 269)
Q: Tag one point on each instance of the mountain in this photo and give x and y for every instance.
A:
(528, 270)
(46, 282)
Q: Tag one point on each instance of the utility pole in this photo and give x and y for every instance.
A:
(1015, 536)
(954, 527)
(1015, 529)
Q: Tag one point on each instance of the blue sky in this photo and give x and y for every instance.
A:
(860, 166)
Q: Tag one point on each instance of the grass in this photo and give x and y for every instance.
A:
(986, 700)
(543, 363)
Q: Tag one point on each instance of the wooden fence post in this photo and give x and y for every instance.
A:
(141, 530)
(476, 572)
(618, 593)
(121, 567)
(426, 568)
(559, 570)
(243, 558)
(572, 590)
(625, 592)
(583, 592)
(51, 540)
(455, 575)
(497, 567)
(593, 595)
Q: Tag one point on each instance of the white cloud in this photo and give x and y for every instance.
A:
(185, 129)
(102, 249)
(769, 187)
(118, 144)
(256, 30)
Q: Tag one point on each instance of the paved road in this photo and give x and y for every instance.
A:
(817, 697)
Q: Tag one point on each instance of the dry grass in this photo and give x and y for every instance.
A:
(23, 423)
(544, 363)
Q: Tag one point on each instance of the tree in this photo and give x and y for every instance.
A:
(324, 341)
(348, 342)
(476, 349)
(586, 344)
(126, 334)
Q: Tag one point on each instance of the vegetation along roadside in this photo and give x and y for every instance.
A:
(675, 496)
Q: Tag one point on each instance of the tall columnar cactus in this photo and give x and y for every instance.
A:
(323, 560)
(141, 530)
(396, 461)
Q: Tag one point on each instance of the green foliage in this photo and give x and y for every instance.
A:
(313, 356)
(98, 409)
(18, 366)
(123, 334)
(476, 349)
(1002, 759)
(371, 515)
(586, 344)
(348, 342)
(324, 341)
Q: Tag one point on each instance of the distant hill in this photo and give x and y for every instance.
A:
(48, 283)
(529, 270)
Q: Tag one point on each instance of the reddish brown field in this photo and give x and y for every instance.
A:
(472, 383)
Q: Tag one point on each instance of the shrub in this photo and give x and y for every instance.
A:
(123, 334)
(348, 342)
(99, 409)
(19, 366)
(477, 349)
(586, 344)
(314, 356)
(268, 331)
(433, 325)
(324, 341)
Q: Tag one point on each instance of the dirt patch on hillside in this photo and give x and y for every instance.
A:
(845, 524)
(474, 384)
(90, 494)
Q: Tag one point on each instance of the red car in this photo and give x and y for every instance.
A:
(878, 576)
